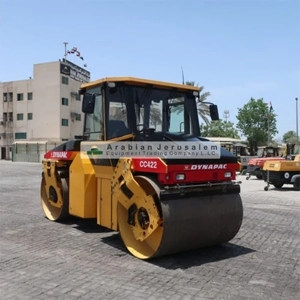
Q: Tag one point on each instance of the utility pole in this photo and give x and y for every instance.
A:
(297, 120)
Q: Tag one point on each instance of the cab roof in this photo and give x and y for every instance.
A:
(140, 81)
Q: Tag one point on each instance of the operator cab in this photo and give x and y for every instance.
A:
(121, 108)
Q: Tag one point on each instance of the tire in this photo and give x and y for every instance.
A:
(259, 176)
(297, 184)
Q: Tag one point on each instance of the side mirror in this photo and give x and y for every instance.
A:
(214, 112)
(88, 103)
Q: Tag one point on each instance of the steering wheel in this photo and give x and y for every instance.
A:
(144, 130)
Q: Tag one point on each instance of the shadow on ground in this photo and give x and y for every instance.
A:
(286, 188)
(182, 260)
(86, 225)
(187, 259)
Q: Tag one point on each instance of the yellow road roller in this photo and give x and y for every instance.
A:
(141, 168)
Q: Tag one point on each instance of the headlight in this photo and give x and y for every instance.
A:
(227, 174)
(180, 176)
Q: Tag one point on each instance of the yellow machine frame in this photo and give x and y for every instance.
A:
(76, 186)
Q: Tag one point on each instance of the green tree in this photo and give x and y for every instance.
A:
(255, 121)
(219, 128)
(203, 108)
(290, 137)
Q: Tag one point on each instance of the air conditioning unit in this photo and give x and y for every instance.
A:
(2, 123)
(73, 116)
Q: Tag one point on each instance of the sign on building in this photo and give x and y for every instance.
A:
(75, 72)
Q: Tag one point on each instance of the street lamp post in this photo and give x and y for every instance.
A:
(268, 129)
(297, 120)
(226, 115)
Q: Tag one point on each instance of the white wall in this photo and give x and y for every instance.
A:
(75, 127)
(46, 99)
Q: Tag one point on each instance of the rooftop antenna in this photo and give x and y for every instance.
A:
(66, 52)
(182, 74)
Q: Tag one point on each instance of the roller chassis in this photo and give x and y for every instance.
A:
(160, 206)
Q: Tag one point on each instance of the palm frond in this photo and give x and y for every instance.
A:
(203, 97)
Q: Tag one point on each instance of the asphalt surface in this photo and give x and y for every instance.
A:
(40, 259)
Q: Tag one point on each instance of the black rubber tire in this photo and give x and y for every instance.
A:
(278, 185)
(297, 184)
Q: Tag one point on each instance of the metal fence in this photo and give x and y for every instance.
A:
(31, 152)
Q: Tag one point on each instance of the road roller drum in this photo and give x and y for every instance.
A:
(185, 224)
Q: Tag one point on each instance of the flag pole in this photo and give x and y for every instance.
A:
(66, 53)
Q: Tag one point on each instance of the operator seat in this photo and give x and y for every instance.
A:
(117, 128)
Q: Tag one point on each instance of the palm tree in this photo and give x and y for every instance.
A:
(155, 114)
(119, 113)
(203, 108)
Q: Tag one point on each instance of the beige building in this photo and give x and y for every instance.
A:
(46, 107)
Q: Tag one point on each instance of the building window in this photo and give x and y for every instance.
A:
(78, 117)
(77, 97)
(20, 117)
(29, 96)
(29, 116)
(20, 97)
(4, 97)
(20, 135)
(64, 122)
(65, 101)
(10, 117)
(64, 80)
(5, 117)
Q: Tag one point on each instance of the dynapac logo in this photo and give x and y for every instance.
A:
(60, 154)
(209, 167)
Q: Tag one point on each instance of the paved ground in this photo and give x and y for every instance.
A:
(44, 260)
